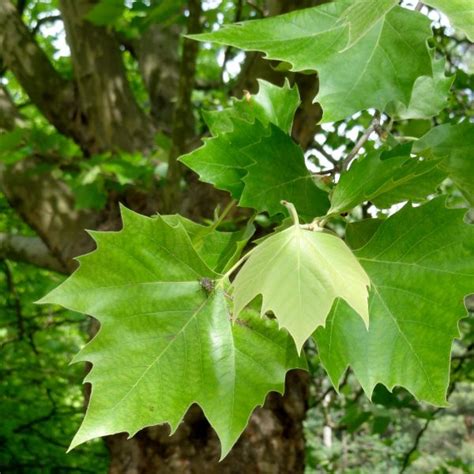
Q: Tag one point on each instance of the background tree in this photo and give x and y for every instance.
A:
(104, 122)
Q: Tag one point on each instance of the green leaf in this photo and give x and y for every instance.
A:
(453, 144)
(429, 96)
(420, 263)
(362, 15)
(360, 232)
(259, 166)
(459, 12)
(276, 172)
(272, 104)
(166, 340)
(277, 105)
(164, 12)
(299, 273)
(89, 196)
(219, 250)
(385, 178)
(381, 67)
(221, 161)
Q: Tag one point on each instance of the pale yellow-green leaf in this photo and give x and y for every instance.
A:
(300, 273)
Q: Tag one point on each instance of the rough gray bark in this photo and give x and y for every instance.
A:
(157, 52)
(47, 205)
(9, 115)
(112, 119)
(52, 94)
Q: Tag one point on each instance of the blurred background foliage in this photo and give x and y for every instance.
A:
(41, 399)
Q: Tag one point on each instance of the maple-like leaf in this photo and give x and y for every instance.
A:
(421, 265)
(221, 161)
(362, 15)
(379, 68)
(166, 339)
(258, 162)
(299, 274)
(453, 144)
(385, 178)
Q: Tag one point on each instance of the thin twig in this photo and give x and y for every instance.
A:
(256, 8)
(374, 125)
(44, 21)
(419, 6)
(326, 155)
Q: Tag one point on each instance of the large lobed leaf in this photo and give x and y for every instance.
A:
(363, 60)
(219, 250)
(300, 273)
(421, 266)
(166, 339)
(253, 157)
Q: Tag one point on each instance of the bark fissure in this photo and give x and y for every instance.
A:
(52, 94)
(112, 119)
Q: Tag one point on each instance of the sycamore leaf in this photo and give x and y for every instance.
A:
(381, 67)
(429, 96)
(272, 104)
(459, 12)
(385, 178)
(166, 340)
(453, 144)
(299, 273)
(260, 166)
(253, 157)
(421, 265)
(220, 161)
